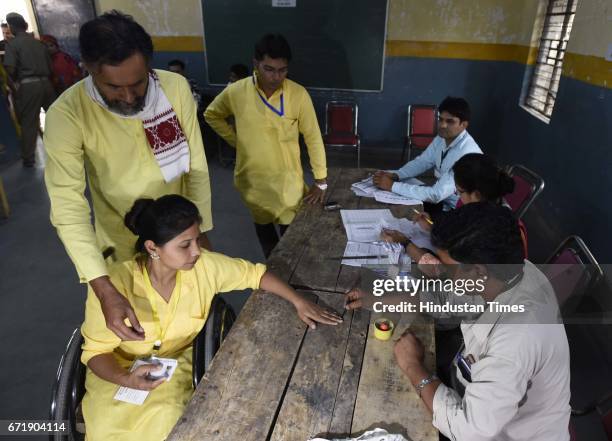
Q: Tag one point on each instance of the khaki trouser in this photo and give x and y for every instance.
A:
(30, 97)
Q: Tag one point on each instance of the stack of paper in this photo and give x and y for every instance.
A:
(367, 189)
(359, 249)
(364, 225)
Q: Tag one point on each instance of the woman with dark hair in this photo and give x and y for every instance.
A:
(514, 364)
(477, 178)
(170, 285)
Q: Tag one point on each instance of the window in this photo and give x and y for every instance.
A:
(544, 82)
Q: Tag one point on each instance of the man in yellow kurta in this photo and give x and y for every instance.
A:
(134, 133)
(270, 112)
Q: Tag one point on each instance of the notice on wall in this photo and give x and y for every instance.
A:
(284, 3)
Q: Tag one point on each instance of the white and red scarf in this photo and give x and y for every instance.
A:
(161, 125)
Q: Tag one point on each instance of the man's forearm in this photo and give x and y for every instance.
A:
(415, 374)
(101, 286)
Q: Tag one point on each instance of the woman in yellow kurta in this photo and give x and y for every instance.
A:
(170, 285)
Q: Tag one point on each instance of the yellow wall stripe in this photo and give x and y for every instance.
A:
(587, 68)
(179, 44)
(465, 51)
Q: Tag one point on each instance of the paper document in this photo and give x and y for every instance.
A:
(411, 230)
(366, 188)
(370, 249)
(135, 396)
(364, 225)
(388, 197)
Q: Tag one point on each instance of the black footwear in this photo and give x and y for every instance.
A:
(28, 164)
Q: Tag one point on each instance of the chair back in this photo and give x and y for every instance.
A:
(69, 389)
(422, 124)
(218, 324)
(341, 118)
(572, 270)
(527, 186)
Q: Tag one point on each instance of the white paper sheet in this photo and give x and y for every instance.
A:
(366, 188)
(135, 396)
(388, 197)
(369, 249)
(411, 230)
(364, 225)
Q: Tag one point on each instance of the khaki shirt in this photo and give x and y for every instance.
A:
(520, 374)
(28, 56)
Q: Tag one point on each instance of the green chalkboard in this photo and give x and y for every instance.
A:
(336, 44)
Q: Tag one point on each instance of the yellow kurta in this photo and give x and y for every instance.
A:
(268, 171)
(109, 419)
(81, 136)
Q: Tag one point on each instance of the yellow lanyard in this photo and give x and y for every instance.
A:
(152, 295)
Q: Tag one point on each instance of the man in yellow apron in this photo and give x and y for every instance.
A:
(270, 112)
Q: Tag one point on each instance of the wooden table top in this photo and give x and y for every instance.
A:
(275, 379)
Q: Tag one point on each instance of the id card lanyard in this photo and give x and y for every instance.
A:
(279, 112)
(151, 296)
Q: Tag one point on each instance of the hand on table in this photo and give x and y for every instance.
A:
(409, 351)
(314, 196)
(357, 298)
(384, 180)
(393, 236)
(310, 313)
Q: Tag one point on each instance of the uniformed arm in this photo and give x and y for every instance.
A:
(490, 401)
(309, 127)
(442, 189)
(217, 113)
(197, 180)
(10, 61)
(65, 181)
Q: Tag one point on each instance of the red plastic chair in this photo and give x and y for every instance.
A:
(528, 185)
(422, 127)
(572, 271)
(341, 118)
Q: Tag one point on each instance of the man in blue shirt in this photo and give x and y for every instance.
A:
(453, 141)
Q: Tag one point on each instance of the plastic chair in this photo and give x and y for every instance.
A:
(572, 270)
(422, 127)
(528, 185)
(69, 386)
(341, 120)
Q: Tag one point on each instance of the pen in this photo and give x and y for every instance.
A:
(429, 221)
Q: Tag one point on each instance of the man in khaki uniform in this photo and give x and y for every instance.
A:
(28, 63)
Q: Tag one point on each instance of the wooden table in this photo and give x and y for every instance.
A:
(274, 379)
